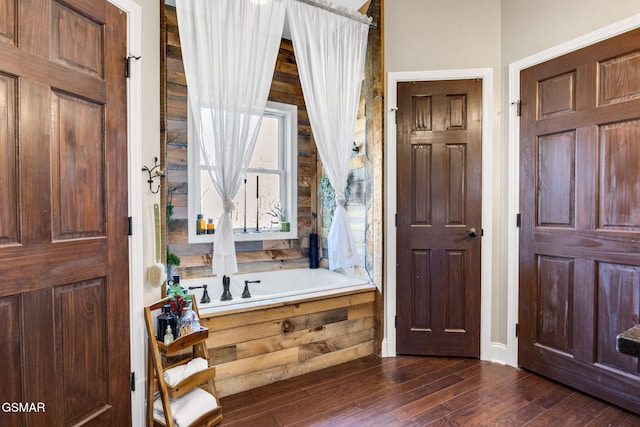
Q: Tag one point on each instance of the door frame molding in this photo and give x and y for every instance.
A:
(488, 350)
(513, 240)
(134, 159)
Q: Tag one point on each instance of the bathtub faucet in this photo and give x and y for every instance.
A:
(205, 295)
(226, 294)
(246, 293)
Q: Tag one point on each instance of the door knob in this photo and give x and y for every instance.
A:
(472, 232)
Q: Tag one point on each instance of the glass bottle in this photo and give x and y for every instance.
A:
(184, 323)
(195, 324)
(200, 225)
(210, 226)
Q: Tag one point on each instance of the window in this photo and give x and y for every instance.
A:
(270, 184)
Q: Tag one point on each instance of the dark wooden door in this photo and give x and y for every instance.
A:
(580, 227)
(64, 306)
(439, 217)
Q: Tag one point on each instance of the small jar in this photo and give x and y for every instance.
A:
(210, 226)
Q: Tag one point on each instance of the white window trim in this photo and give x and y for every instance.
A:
(290, 115)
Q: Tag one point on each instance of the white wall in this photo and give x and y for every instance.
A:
(460, 34)
(529, 26)
(441, 34)
(150, 68)
(447, 35)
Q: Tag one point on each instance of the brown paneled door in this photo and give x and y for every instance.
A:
(64, 305)
(439, 149)
(580, 226)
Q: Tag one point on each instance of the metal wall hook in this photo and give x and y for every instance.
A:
(154, 172)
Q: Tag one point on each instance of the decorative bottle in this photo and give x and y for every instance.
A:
(201, 226)
(314, 258)
(195, 324)
(166, 319)
(184, 323)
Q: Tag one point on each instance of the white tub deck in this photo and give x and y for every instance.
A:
(275, 288)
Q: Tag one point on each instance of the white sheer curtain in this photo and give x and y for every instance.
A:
(229, 49)
(330, 49)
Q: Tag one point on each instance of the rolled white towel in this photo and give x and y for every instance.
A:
(187, 408)
(173, 376)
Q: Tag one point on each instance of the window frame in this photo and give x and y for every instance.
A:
(288, 115)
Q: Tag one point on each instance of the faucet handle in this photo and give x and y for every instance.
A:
(205, 296)
(246, 293)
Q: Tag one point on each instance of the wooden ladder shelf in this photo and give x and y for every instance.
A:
(158, 354)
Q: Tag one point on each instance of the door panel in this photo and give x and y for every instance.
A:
(439, 201)
(580, 229)
(63, 212)
(8, 164)
(77, 168)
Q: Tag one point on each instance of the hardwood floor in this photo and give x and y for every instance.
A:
(419, 391)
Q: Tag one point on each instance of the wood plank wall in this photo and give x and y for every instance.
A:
(251, 256)
(256, 348)
(374, 100)
(366, 179)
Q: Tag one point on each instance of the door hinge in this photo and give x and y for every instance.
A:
(396, 219)
(133, 381)
(395, 321)
(517, 329)
(127, 71)
(130, 225)
(518, 105)
(518, 220)
(395, 110)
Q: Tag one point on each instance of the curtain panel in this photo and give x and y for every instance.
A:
(330, 50)
(229, 49)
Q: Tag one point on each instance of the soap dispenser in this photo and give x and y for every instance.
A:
(168, 336)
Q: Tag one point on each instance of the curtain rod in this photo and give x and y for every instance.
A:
(342, 11)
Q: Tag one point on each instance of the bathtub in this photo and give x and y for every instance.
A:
(296, 321)
(275, 287)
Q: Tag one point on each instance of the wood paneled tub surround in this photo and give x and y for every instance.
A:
(296, 321)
